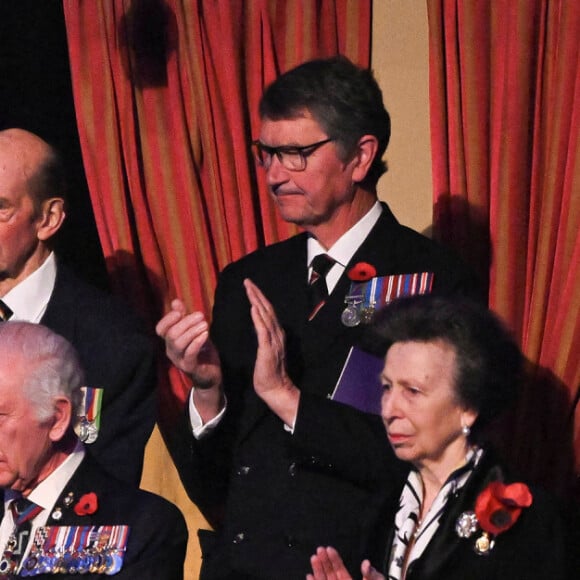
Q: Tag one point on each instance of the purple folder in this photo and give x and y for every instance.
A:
(359, 384)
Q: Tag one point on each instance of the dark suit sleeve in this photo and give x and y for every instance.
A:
(204, 464)
(352, 442)
(157, 547)
(118, 355)
(129, 404)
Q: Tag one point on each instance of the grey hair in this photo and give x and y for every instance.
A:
(53, 366)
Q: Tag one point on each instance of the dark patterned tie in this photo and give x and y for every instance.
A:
(317, 283)
(23, 512)
(5, 312)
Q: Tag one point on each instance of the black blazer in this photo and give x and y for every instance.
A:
(539, 546)
(287, 494)
(116, 355)
(158, 534)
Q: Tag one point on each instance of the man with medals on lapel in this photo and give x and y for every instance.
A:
(267, 456)
(60, 513)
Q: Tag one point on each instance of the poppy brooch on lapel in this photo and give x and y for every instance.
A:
(87, 504)
(361, 272)
(497, 509)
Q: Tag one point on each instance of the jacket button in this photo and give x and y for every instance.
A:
(243, 470)
(291, 541)
(292, 469)
(239, 538)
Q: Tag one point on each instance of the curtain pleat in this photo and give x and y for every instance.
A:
(504, 81)
(166, 95)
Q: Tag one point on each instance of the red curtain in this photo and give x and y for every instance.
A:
(505, 110)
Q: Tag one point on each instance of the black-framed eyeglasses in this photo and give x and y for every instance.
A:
(290, 156)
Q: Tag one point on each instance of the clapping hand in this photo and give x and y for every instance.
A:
(328, 565)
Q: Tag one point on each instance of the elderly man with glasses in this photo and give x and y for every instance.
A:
(264, 446)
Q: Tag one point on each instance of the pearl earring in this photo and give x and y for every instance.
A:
(466, 430)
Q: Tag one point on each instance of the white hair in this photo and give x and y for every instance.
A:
(51, 362)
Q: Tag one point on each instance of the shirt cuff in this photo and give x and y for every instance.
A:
(198, 429)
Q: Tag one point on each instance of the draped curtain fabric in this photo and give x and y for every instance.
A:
(505, 114)
(166, 95)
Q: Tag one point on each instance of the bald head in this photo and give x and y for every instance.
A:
(32, 188)
(32, 165)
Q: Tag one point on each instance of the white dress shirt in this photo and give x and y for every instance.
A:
(28, 299)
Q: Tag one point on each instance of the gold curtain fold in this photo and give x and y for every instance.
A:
(505, 108)
(166, 95)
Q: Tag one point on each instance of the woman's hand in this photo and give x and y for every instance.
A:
(328, 565)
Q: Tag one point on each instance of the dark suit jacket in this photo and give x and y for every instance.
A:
(287, 494)
(157, 536)
(539, 546)
(116, 355)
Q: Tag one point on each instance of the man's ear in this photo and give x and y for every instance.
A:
(51, 218)
(61, 419)
(366, 151)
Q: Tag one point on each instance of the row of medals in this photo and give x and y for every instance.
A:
(78, 562)
(93, 559)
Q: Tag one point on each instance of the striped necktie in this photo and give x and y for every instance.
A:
(318, 289)
(5, 312)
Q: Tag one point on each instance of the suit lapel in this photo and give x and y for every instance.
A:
(60, 306)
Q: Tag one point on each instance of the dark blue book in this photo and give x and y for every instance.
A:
(359, 384)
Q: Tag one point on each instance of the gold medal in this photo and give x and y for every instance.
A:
(483, 545)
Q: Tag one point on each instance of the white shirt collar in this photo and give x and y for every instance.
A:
(28, 299)
(345, 247)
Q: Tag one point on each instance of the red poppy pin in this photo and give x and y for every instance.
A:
(87, 504)
(361, 272)
(499, 506)
(497, 509)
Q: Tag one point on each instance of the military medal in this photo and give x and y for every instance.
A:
(6, 566)
(483, 545)
(89, 415)
(93, 433)
(351, 315)
(367, 313)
